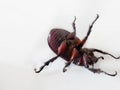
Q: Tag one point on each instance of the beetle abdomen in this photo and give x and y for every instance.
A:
(55, 38)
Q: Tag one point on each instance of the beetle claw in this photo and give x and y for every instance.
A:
(111, 74)
(64, 69)
(38, 71)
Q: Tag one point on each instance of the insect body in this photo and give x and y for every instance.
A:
(66, 45)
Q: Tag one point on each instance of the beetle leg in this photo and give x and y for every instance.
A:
(66, 65)
(61, 50)
(74, 55)
(96, 59)
(46, 64)
(101, 71)
(100, 51)
(62, 47)
(88, 33)
(74, 27)
(101, 57)
(73, 34)
(85, 61)
(93, 60)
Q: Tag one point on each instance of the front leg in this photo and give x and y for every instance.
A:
(103, 52)
(101, 71)
(96, 59)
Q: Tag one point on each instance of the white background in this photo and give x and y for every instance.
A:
(24, 28)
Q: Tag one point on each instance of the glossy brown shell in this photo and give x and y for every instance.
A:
(55, 38)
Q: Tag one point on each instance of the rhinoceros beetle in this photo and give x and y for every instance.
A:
(68, 46)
